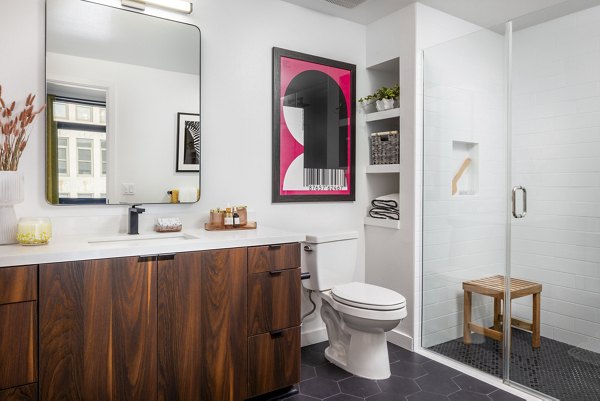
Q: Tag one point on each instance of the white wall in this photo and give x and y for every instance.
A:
(142, 151)
(237, 38)
(388, 251)
(393, 257)
(463, 235)
(556, 156)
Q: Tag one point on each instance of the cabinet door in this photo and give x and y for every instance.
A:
(273, 361)
(223, 322)
(273, 301)
(179, 341)
(18, 331)
(273, 257)
(98, 330)
(18, 346)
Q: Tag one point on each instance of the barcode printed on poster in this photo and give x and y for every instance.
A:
(325, 178)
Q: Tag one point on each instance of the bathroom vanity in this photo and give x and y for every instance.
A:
(215, 316)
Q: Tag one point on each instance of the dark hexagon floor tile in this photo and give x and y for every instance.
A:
(344, 397)
(500, 395)
(409, 356)
(393, 356)
(307, 372)
(425, 396)
(464, 395)
(437, 369)
(319, 387)
(474, 385)
(437, 384)
(398, 385)
(318, 347)
(330, 371)
(407, 369)
(393, 347)
(301, 397)
(313, 358)
(386, 397)
(359, 386)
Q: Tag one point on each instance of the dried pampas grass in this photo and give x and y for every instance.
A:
(14, 131)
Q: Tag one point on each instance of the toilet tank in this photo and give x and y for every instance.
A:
(329, 258)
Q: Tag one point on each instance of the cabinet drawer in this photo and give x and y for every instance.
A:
(273, 301)
(273, 257)
(21, 393)
(18, 284)
(273, 361)
(18, 344)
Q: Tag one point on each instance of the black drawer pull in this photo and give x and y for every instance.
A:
(276, 246)
(146, 258)
(276, 333)
(275, 272)
(166, 256)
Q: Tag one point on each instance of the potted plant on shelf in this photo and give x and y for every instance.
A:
(14, 135)
(384, 98)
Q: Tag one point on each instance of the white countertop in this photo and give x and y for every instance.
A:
(70, 248)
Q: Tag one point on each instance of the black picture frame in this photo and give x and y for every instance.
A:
(188, 143)
(326, 175)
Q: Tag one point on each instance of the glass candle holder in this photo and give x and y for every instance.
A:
(34, 230)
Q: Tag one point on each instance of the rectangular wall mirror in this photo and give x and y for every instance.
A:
(123, 95)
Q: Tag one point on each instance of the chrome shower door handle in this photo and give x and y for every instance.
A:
(514, 202)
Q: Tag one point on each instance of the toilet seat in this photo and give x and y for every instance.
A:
(367, 296)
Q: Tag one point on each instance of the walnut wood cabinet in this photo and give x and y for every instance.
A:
(273, 317)
(202, 325)
(215, 325)
(98, 330)
(18, 333)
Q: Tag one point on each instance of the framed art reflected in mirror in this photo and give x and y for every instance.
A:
(314, 130)
(188, 142)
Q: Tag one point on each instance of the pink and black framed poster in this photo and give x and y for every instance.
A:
(314, 146)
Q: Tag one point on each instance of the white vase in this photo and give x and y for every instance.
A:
(11, 193)
(384, 104)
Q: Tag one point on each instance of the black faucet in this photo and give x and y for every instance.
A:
(134, 212)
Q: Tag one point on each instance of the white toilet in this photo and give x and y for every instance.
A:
(357, 315)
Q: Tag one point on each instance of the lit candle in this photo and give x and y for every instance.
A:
(34, 230)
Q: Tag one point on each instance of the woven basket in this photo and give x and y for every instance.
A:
(385, 147)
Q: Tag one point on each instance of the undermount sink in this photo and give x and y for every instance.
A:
(142, 238)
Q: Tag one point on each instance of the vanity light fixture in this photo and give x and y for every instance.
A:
(181, 6)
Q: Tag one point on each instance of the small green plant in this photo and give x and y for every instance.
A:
(382, 93)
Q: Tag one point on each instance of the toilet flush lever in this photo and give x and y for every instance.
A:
(307, 248)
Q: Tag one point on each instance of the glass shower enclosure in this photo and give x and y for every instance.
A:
(511, 201)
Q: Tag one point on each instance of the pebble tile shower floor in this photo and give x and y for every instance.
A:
(414, 378)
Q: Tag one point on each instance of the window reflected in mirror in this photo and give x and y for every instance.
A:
(77, 124)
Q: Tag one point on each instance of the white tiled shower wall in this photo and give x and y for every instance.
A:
(464, 235)
(556, 156)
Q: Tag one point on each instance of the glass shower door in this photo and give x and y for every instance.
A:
(464, 198)
(555, 158)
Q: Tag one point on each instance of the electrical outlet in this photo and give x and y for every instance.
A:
(128, 188)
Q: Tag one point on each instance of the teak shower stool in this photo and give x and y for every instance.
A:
(494, 287)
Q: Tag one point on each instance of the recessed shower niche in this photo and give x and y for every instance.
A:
(465, 168)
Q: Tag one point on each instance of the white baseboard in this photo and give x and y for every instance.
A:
(313, 337)
(400, 339)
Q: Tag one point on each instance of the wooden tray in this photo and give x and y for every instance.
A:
(210, 227)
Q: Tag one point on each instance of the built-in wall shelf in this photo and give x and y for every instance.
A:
(382, 168)
(383, 223)
(383, 115)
